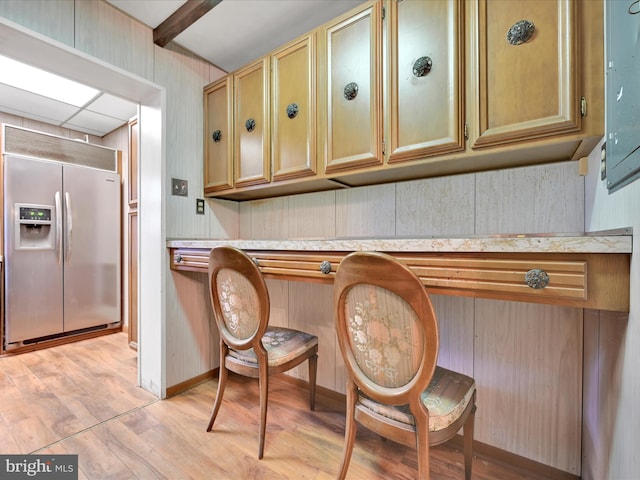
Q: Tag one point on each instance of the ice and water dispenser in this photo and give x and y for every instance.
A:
(34, 227)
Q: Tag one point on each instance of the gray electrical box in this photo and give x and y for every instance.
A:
(622, 102)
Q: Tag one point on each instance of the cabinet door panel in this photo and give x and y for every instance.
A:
(218, 136)
(425, 113)
(251, 153)
(526, 90)
(353, 56)
(294, 84)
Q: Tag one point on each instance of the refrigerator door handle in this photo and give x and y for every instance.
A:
(67, 202)
(58, 227)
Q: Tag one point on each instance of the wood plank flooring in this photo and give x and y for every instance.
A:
(81, 399)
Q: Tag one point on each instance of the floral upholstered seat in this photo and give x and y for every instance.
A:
(447, 396)
(248, 345)
(282, 345)
(388, 336)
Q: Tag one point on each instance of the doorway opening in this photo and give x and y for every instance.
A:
(28, 47)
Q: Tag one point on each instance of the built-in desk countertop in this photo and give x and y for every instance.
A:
(578, 270)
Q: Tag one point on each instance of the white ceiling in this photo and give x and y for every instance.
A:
(232, 34)
(236, 32)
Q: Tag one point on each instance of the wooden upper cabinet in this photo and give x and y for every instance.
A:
(425, 84)
(218, 136)
(527, 70)
(251, 124)
(294, 109)
(396, 90)
(351, 50)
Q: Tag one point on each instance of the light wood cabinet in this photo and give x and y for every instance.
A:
(494, 105)
(351, 53)
(218, 136)
(251, 154)
(294, 110)
(528, 72)
(475, 102)
(271, 108)
(425, 101)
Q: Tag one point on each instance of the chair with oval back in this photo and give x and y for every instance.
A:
(248, 345)
(388, 336)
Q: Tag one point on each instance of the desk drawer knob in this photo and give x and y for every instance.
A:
(178, 258)
(536, 278)
(325, 267)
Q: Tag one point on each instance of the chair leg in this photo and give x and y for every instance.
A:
(468, 442)
(222, 382)
(313, 369)
(263, 380)
(349, 430)
(422, 443)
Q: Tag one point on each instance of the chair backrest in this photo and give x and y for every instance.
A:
(239, 298)
(387, 328)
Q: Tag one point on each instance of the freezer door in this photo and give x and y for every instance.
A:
(91, 247)
(33, 269)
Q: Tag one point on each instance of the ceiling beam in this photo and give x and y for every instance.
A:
(181, 19)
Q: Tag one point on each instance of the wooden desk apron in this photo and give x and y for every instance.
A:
(586, 273)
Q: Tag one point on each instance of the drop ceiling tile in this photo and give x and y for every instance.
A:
(98, 124)
(29, 115)
(31, 105)
(115, 107)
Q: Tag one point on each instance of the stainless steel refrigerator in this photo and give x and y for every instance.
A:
(61, 249)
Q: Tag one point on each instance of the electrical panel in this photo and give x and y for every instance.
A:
(622, 147)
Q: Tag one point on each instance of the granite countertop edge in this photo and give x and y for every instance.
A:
(552, 243)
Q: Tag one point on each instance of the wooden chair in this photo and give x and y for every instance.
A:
(388, 335)
(248, 345)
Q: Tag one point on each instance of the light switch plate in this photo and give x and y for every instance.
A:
(179, 187)
(199, 206)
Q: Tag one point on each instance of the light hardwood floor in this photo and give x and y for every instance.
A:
(81, 399)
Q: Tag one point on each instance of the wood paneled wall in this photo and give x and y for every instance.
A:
(611, 427)
(53, 18)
